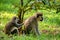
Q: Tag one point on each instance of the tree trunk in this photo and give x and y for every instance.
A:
(21, 12)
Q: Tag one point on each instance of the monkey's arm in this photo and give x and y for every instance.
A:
(17, 24)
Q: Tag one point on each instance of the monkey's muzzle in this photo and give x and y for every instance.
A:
(41, 19)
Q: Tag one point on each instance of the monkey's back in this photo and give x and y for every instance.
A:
(30, 23)
(8, 27)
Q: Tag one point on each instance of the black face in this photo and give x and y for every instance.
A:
(41, 18)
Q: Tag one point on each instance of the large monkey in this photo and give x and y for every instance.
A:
(12, 26)
(31, 24)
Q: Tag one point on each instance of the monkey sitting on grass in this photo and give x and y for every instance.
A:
(12, 26)
(31, 23)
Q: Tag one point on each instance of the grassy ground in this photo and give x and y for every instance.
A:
(49, 28)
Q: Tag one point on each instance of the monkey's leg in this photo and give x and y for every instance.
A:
(15, 31)
(36, 31)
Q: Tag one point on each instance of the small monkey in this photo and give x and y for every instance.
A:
(12, 26)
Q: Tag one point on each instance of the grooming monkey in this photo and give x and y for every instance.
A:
(12, 26)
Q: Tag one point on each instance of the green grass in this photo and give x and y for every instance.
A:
(49, 28)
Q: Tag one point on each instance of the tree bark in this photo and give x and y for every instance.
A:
(21, 12)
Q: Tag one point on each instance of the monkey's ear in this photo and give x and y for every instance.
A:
(38, 15)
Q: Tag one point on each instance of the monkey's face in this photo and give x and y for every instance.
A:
(15, 20)
(40, 18)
